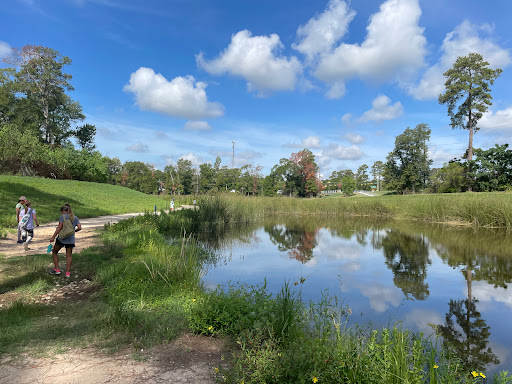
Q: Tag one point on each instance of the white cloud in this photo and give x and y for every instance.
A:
(320, 33)
(343, 153)
(354, 138)
(197, 126)
(255, 59)
(382, 110)
(347, 118)
(394, 48)
(498, 121)
(464, 39)
(5, 49)
(194, 159)
(311, 142)
(487, 293)
(441, 156)
(180, 97)
(336, 90)
(420, 319)
(138, 147)
(380, 296)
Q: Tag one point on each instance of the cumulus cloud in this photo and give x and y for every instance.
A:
(497, 121)
(181, 97)
(197, 126)
(382, 110)
(256, 59)
(343, 153)
(420, 319)
(394, 48)
(320, 33)
(311, 142)
(138, 147)
(194, 159)
(464, 39)
(5, 49)
(353, 138)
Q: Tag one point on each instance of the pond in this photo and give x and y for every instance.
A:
(386, 272)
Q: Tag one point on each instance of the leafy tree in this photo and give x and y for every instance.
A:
(186, 175)
(139, 176)
(85, 135)
(348, 185)
(468, 93)
(362, 176)
(305, 165)
(377, 170)
(492, 168)
(42, 81)
(206, 177)
(408, 165)
(448, 179)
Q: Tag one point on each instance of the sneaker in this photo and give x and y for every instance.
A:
(68, 275)
(20, 241)
(55, 271)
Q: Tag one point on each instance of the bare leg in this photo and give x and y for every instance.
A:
(55, 254)
(69, 257)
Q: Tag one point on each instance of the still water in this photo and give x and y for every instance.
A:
(387, 272)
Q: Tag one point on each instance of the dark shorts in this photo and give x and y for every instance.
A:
(60, 244)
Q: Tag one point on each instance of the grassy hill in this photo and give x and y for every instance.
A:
(86, 199)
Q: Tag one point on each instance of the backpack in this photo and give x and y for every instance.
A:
(67, 228)
(24, 220)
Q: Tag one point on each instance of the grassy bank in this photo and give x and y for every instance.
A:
(490, 210)
(87, 199)
(151, 292)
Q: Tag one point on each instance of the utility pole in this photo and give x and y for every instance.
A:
(233, 163)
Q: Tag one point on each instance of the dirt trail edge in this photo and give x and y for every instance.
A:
(189, 359)
(84, 239)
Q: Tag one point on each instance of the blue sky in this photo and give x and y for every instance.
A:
(164, 80)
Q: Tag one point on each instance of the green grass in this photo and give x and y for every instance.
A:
(86, 199)
(152, 292)
(489, 210)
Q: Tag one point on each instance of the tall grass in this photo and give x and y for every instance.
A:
(490, 210)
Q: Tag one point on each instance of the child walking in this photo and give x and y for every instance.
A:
(68, 241)
(28, 234)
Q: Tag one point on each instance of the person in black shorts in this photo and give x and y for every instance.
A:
(68, 242)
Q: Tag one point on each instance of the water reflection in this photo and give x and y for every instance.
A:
(391, 271)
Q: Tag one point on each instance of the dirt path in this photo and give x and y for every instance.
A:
(84, 239)
(190, 359)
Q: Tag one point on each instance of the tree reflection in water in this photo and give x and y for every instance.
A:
(483, 255)
(298, 243)
(468, 335)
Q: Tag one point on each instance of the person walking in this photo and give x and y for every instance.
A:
(67, 222)
(172, 205)
(29, 232)
(19, 207)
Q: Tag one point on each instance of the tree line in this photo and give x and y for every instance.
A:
(38, 120)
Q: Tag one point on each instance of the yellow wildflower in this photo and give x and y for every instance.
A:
(216, 370)
(481, 374)
(436, 366)
(314, 379)
(474, 374)
(193, 300)
(210, 328)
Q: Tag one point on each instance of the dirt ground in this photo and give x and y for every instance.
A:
(84, 239)
(190, 359)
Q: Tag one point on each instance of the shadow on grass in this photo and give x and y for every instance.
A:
(50, 327)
